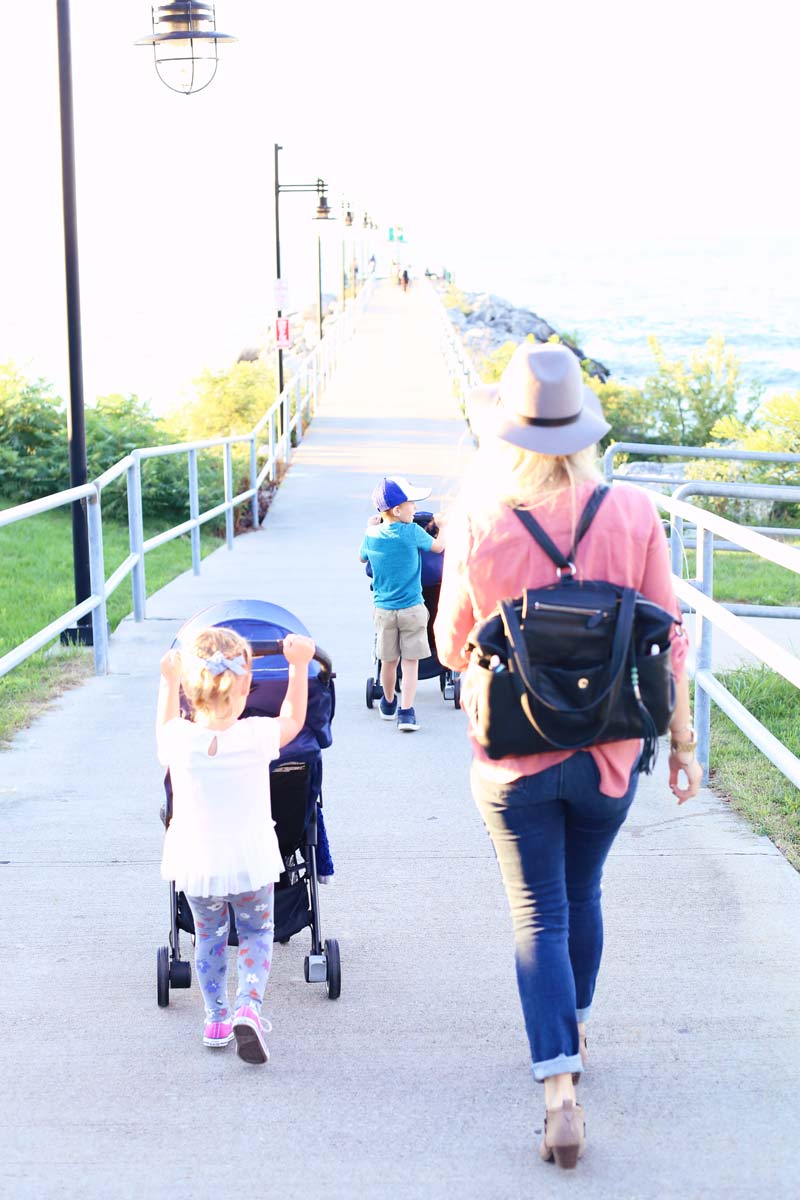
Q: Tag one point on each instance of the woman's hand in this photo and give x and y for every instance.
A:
(297, 649)
(681, 761)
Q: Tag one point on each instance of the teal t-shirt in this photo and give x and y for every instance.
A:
(393, 551)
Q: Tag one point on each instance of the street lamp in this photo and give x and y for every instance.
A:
(189, 28)
(323, 214)
(76, 427)
(184, 42)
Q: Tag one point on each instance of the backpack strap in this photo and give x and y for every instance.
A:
(564, 562)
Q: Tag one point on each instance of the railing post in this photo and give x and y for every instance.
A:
(314, 384)
(194, 511)
(136, 537)
(676, 544)
(97, 578)
(298, 411)
(227, 474)
(271, 440)
(705, 635)
(608, 463)
(253, 478)
(287, 433)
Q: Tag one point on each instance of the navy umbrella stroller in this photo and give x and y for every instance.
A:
(295, 789)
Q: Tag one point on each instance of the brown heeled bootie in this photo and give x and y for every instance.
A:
(564, 1135)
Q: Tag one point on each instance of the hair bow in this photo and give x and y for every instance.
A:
(219, 663)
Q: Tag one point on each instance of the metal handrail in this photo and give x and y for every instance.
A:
(723, 452)
(304, 389)
(461, 368)
(698, 597)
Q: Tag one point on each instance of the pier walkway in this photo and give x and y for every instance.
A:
(414, 1085)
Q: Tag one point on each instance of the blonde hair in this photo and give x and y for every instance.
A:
(205, 692)
(502, 474)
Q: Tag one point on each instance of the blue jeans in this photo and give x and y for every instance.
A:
(552, 833)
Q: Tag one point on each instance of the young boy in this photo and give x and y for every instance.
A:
(392, 545)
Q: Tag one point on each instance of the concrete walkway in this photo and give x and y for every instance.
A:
(414, 1085)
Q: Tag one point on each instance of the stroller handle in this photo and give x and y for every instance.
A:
(268, 649)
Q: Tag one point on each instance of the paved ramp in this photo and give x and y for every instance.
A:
(414, 1085)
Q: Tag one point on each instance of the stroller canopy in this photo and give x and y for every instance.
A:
(259, 621)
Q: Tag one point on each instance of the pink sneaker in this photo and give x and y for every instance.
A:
(218, 1033)
(248, 1031)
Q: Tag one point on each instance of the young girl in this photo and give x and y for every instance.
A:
(220, 847)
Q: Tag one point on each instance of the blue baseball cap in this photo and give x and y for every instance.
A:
(394, 490)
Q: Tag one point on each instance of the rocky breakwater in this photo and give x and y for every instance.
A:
(486, 322)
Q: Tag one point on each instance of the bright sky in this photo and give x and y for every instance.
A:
(498, 121)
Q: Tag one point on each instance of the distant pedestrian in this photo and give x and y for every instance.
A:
(404, 279)
(392, 545)
(220, 847)
(553, 816)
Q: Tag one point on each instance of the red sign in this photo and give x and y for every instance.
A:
(282, 339)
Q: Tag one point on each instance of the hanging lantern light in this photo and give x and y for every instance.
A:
(184, 42)
(323, 208)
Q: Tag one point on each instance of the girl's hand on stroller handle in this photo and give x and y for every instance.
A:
(171, 666)
(265, 649)
(298, 649)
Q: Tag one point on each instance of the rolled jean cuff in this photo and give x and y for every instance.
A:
(565, 1064)
(582, 1014)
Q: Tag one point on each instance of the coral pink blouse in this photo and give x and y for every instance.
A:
(490, 556)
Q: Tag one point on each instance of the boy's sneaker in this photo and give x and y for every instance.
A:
(388, 711)
(407, 720)
(247, 1030)
(218, 1033)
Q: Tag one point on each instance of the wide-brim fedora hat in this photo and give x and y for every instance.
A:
(540, 403)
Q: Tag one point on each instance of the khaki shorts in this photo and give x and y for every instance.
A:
(402, 633)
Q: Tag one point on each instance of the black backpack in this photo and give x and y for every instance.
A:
(570, 665)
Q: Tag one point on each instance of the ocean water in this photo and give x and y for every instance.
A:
(681, 291)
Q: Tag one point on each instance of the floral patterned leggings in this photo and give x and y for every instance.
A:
(254, 925)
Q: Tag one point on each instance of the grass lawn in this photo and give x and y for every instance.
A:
(746, 579)
(740, 773)
(36, 587)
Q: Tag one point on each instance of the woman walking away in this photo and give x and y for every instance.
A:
(221, 847)
(553, 816)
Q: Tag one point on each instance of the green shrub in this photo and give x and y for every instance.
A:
(774, 428)
(33, 434)
(687, 399)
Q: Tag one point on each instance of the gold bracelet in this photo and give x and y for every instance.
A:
(685, 746)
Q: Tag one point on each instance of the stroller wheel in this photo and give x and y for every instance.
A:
(457, 691)
(162, 975)
(370, 692)
(333, 981)
(180, 974)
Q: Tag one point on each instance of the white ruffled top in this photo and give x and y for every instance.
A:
(221, 840)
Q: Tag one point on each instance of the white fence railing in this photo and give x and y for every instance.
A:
(269, 442)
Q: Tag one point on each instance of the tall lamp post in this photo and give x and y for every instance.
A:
(323, 214)
(189, 27)
(76, 426)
